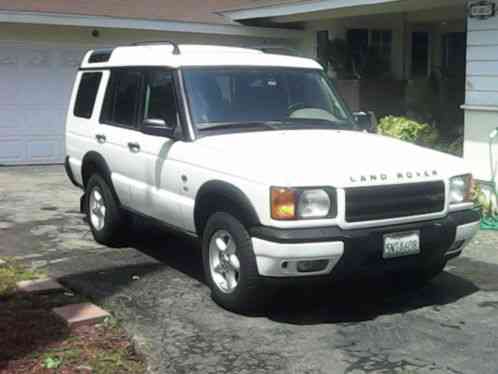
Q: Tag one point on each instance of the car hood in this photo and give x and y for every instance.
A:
(322, 157)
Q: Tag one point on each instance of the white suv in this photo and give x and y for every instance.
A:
(257, 156)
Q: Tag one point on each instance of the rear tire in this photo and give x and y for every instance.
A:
(226, 246)
(103, 212)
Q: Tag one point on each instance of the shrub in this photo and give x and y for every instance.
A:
(484, 197)
(408, 130)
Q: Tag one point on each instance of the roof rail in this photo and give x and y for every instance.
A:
(176, 49)
(268, 47)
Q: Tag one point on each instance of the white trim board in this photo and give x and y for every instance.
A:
(296, 8)
(479, 108)
(60, 19)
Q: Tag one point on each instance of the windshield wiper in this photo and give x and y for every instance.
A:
(266, 125)
(310, 123)
(292, 123)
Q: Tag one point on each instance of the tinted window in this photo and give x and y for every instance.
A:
(261, 94)
(122, 98)
(87, 92)
(160, 100)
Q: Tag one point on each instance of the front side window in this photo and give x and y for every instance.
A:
(87, 93)
(122, 98)
(276, 96)
(160, 107)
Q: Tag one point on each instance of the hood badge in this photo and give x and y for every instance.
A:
(395, 176)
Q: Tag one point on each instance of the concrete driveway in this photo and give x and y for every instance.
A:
(155, 287)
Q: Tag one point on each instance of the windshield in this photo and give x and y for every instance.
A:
(238, 97)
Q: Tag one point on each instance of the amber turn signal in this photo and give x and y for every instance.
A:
(283, 203)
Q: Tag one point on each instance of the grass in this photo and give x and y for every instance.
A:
(12, 272)
(33, 340)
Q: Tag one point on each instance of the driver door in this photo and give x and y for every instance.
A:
(160, 178)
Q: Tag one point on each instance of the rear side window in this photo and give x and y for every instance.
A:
(87, 92)
(121, 102)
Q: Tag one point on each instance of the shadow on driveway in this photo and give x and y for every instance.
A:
(344, 301)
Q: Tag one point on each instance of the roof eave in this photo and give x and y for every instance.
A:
(62, 19)
(280, 10)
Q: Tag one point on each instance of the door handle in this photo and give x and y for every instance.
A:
(100, 138)
(134, 147)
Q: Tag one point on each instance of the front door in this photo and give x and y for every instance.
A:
(159, 178)
(420, 54)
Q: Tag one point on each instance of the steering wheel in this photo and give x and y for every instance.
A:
(296, 106)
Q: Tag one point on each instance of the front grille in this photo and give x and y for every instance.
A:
(393, 201)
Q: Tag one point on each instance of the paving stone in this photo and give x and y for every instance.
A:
(39, 286)
(81, 314)
(2, 262)
(5, 225)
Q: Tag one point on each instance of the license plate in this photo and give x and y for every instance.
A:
(401, 244)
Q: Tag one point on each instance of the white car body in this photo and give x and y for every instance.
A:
(163, 178)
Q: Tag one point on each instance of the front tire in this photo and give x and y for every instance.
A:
(230, 265)
(103, 213)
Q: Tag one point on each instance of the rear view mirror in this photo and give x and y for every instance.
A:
(365, 121)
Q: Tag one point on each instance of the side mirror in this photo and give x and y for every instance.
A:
(155, 122)
(364, 121)
(157, 127)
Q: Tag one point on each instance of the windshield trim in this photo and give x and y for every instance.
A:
(198, 133)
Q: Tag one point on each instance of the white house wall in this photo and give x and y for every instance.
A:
(481, 105)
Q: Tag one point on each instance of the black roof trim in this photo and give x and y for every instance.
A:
(100, 55)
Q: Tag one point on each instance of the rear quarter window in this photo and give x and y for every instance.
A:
(87, 93)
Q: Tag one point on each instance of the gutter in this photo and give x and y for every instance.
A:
(280, 10)
(63, 19)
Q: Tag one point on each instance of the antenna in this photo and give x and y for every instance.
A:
(176, 49)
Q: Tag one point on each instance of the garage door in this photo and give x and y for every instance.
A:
(35, 86)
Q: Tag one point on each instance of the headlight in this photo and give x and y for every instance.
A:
(460, 189)
(302, 203)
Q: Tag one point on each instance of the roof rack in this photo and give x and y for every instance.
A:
(176, 49)
(268, 47)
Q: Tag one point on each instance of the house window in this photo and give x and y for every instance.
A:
(371, 47)
(322, 44)
(381, 43)
(358, 40)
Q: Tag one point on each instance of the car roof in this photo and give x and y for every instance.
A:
(190, 55)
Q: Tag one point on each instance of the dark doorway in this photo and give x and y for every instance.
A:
(420, 54)
(454, 52)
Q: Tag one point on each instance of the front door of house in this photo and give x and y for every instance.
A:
(420, 54)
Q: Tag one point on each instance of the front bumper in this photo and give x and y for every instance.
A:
(355, 252)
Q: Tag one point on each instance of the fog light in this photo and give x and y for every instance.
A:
(311, 266)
